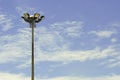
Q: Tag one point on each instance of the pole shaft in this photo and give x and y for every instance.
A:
(32, 69)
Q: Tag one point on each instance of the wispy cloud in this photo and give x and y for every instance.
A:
(9, 76)
(69, 56)
(12, 46)
(113, 40)
(103, 34)
(68, 28)
(5, 22)
(49, 45)
(113, 77)
(115, 24)
(27, 8)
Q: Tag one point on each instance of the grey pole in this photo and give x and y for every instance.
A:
(32, 67)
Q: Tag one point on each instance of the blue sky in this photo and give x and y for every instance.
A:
(77, 40)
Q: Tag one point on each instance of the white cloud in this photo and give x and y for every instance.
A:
(48, 47)
(68, 56)
(113, 40)
(14, 46)
(113, 77)
(112, 62)
(103, 34)
(18, 45)
(25, 8)
(5, 22)
(68, 28)
(10, 76)
(116, 24)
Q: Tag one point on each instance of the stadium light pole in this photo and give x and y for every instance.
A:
(32, 20)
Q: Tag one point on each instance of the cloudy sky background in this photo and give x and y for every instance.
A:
(78, 40)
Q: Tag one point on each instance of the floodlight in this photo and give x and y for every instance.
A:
(39, 19)
(37, 15)
(32, 18)
(26, 15)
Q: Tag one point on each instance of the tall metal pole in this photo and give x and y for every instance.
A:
(32, 20)
(32, 66)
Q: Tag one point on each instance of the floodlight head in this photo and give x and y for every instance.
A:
(39, 19)
(26, 15)
(32, 18)
(37, 15)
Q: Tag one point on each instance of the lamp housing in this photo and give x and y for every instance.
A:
(26, 15)
(36, 15)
